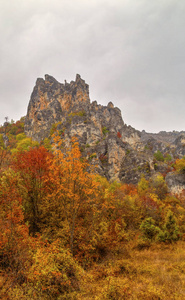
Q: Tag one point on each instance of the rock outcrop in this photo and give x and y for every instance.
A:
(175, 182)
(51, 101)
(119, 151)
(100, 129)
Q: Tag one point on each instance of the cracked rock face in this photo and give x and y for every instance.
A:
(101, 132)
(118, 151)
(51, 101)
(175, 182)
(99, 129)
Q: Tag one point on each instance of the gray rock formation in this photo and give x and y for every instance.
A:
(51, 101)
(119, 151)
(175, 182)
(99, 129)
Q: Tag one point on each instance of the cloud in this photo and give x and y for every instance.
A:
(129, 52)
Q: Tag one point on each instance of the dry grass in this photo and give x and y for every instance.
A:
(154, 273)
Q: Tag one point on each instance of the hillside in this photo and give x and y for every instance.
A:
(90, 208)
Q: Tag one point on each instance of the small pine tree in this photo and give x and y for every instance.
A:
(148, 229)
(170, 230)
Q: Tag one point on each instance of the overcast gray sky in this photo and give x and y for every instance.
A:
(130, 52)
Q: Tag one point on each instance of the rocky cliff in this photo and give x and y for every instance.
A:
(119, 151)
(100, 130)
(51, 102)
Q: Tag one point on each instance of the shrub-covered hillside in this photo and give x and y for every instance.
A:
(68, 233)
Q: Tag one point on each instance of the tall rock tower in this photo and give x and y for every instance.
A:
(51, 102)
(103, 137)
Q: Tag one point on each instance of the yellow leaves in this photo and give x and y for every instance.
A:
(180, 165)
(103, 227)
(72, 186)
(154, 197)
(69, 173)
(24, 144)
(52, 270)
(142, 186)
(120, 230)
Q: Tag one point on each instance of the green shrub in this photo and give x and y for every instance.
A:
(81, 113)
(158, 156)
(148, 229)
(170, 230)
(127, 152)
(20, 136)
(168, 157)
(105, 130)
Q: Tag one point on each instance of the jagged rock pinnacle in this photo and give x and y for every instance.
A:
(68, 105)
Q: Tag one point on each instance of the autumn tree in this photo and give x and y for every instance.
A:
(32, 167)
(180, 165)
(73, 187)
(4, 154)
(14, 237)
(158, 186)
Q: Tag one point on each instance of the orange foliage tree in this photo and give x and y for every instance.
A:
(72, 186)
(32, 167)
(14, 236)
